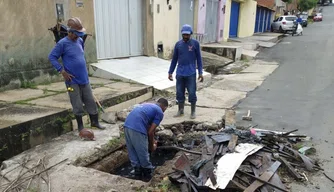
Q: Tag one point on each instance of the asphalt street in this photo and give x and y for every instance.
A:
(300, 93)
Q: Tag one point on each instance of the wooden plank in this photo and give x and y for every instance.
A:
(291, 169)
(232, 143)
(265, 177)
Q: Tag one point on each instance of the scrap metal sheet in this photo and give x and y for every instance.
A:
(229, 164)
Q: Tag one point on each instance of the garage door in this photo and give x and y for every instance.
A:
(118, 26)
(186, 13)
(234, 19)
(211, 21)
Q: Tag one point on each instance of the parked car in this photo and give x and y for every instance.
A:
(317, 17)
(304, 18)
(283, 24)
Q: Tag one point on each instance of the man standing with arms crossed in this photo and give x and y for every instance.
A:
(75, 73)
(187, 53)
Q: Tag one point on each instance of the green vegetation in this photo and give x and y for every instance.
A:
(117, 141)
(305, 5)
(28, 85)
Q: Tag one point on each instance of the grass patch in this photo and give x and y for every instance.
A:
(117, 141)
(28, 85)
(25, 102)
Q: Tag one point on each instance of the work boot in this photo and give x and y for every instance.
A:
(147, 174)
(137, 172)
(180, 111)
(94, 121)
(193, 111)
(79, 122)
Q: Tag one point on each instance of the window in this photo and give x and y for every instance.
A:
(290, 18)
(281, 18)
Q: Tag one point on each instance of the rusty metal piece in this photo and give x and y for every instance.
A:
(209, 144)
(265, 182)
(291, 169)
(182, 163)
(220, 138)
(265, 177)
(232, 143)
(238, 185)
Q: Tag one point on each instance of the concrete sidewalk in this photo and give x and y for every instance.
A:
(29, 117)
(226, 92)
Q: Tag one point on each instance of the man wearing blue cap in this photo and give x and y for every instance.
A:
(187, 54)
(75, 73)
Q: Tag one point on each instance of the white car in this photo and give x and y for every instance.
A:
(283, 24)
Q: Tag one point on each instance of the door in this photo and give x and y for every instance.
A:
(257, 20)
(186, 13)
(211, 21)
(118, 26)
(265, 20)
(269, 20)
(234, 19)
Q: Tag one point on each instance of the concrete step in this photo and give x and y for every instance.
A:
(30, 117)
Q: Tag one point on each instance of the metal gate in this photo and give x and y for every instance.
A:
(234, 19)
(211, 21)
(186, 13)
(118, 26)
(257, 20)
(269, 20)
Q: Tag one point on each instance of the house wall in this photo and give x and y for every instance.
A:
(26, 42)
(247, 18)
(166, 26)
(227, 20)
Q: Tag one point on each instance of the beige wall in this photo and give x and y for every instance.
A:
(247, 16)
(86, 14)
(25, 42)
(166, 26)
(227, 20)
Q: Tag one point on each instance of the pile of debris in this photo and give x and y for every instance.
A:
(239, 160)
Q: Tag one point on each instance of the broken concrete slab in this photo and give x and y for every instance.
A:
(257, 68)
(249, 54)
(59, 86)
(22, 94)
(66, 175)
(212, 62)
(216, 98)
(267, 44)
(231, 52)
(202, 115)
(235, 85)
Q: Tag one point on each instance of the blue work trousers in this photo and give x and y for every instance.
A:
(183, 83)
(137, 145)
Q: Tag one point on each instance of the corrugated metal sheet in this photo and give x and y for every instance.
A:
(118, 28)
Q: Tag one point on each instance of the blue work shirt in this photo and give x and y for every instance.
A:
(187, 55)
(74, 63)
(142, 117)
(299, 20)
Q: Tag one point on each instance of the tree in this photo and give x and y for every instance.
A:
(305, 5)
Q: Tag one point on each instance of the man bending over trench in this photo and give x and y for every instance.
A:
(139, 129)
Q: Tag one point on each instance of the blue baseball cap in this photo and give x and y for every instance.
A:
(186, 29)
